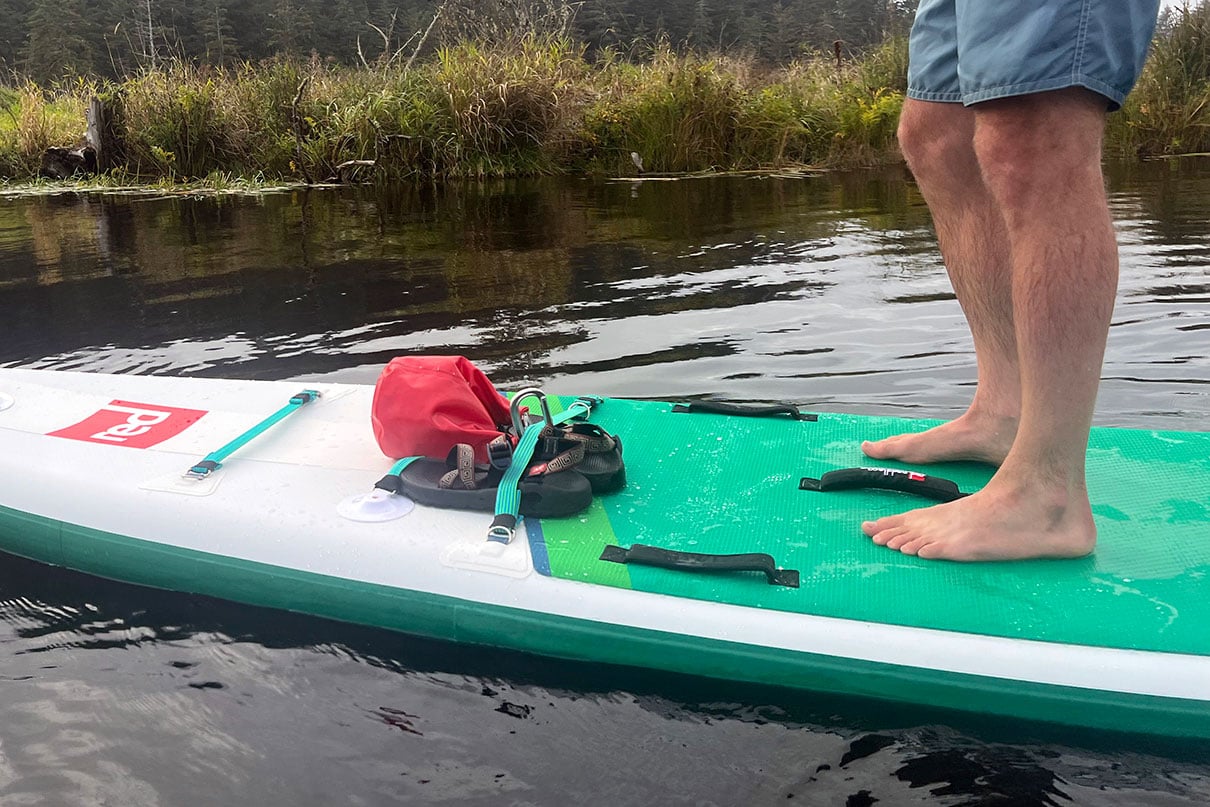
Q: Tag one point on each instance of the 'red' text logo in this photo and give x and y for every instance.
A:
(130, 424)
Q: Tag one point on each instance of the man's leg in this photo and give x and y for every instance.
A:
(1040, 157)
(938, 141)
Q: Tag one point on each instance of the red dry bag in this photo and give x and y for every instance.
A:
(425, 405)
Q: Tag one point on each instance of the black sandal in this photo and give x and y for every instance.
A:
(597, 453)
(460, 484)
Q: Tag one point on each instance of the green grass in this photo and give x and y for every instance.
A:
(541, 106)
(537, 106)
(1169, 111)
(33, 119)
(692, 113)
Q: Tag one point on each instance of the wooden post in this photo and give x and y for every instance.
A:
(92, 134)
(100, 135)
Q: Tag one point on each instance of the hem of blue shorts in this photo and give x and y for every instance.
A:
(1114, 95)
(928, 95)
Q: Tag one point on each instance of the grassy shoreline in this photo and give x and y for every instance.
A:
(532, 108)
(536, 107)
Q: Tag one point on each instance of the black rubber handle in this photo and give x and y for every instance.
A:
(644, 555)
(744, 410)
(930, 487)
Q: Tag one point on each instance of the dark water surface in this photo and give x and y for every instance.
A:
(822, 291)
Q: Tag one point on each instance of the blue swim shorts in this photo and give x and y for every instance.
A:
(967, 51)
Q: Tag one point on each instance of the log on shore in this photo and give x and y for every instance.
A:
(97, 154)
(63, 163)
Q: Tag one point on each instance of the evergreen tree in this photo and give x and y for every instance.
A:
(291, 28)
(61, 40)
(701, 26)
(859, 21)
(343, 21)
(250, 24)
(217, 41)
(748, 32)
(597, 23)
(117, 37)
(14, 34)
(177, 32)
(783, 37)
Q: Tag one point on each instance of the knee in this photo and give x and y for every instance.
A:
(1023, 155)
(1010, 158)
(933, 140)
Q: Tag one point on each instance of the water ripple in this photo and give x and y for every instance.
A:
(827, 292)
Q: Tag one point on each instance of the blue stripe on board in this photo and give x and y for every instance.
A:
(537, 546)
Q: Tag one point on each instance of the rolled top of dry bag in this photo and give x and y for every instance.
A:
(423, 405)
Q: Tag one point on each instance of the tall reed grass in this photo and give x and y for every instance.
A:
(531, 106)
(1169, 111)
(540, 105)
(31, 120)
(682, 112)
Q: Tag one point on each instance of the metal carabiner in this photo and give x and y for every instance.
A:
(514, 409)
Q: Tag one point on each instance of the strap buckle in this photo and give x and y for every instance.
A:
(304, 397)
(550, 445)
(202, 470)
(587, 403)
(500, 454)
(504, 527)
(501, 534)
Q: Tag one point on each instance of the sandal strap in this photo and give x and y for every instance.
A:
(564, 460)
(463, 475)
(595, 439)
(556, 453)
(500, 452)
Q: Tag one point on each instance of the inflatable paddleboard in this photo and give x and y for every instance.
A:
(734, 550)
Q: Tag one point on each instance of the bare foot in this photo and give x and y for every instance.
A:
(1006, 520)
(981, 438)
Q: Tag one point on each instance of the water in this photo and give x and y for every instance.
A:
(823, 291)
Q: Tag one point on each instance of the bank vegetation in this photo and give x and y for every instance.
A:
(540, 105)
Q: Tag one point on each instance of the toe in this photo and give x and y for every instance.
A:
(899, 537)
(914, 545)
(878, 449)
(872, 528)
(931, 550)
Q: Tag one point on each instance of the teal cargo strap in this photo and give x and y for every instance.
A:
(214, 460)
(398, 467)
(390, 482)
(508, 494)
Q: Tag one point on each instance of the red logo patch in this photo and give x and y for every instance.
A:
(130, 424)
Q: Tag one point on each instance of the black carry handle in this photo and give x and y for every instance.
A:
(744, 410)
(930, 487)
(644, 555)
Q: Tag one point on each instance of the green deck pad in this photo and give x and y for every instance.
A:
(725, 484)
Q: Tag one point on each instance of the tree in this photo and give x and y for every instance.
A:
(217, 39)
(61, 40)
(12, 38)
(344, 20)
(291, 27)
(116, 37)
(702, 26)
(143, 28)
(249, 20)
(602, 23)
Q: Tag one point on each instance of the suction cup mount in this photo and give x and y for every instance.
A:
(377, 505)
